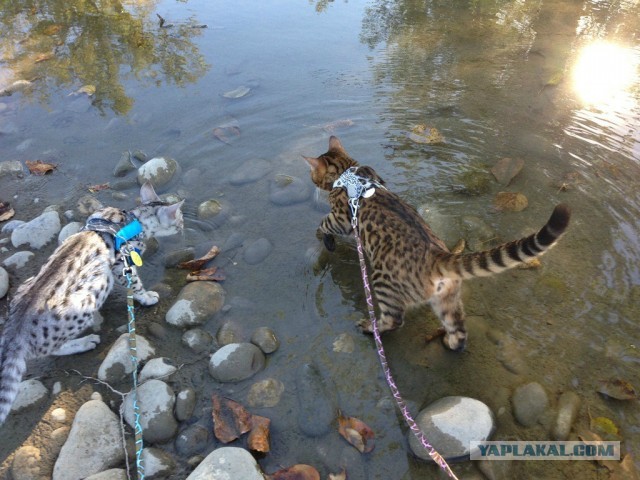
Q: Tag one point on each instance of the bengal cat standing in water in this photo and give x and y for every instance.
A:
(409, 264)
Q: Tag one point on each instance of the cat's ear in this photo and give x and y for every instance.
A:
(148, 194)
(335, 144)
(317, 165)
(171, 213)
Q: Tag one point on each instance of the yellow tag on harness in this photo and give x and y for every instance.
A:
(136, 258)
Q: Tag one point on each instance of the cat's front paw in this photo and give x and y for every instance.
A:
(329, 242)
(147, 298)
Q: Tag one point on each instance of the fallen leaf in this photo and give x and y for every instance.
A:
(6, 212)
(206, 274)
(617, 388)
(511, 201)
(506, 169)
(230, 419)
(357, 433)
(604, 427)
(198, 263)
(227, 132)
(38, 167)
(338, 476)
(427, 135)
(625, 470)
(297, 472)
(587, 436)
(459, 246)
(99, 188)
(258, 440)
(237, 92)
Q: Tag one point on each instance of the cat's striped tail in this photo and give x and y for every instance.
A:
(12, 367)
(507, 255)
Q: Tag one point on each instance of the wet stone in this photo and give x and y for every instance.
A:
(265, 339)
(209, 209)
(288, 191)
(265, 393)
(157, 463)
(159, 171)
(227, 463)
(156, 401)
(317, 402)
(192, 440)
(37, 232)
(568, 408)
(117, 364)
(229, 332)
(250, 171)
(257, 251)
(196, 303)
(344, 343)
(529, 402)
(174, 258)
(124, 165)
(4, 282)
(111, 474)
(236, 362)
(157, 368)
(452, 423)
(11, 167)
(197, 339)
(185, 404)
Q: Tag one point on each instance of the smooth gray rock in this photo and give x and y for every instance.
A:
(197, 339)
(191, 440)
(159, 171)
(227, 463)
(317, 402)
(265, 393)
(124, 165)
(11, 167)
(185, 404)
(111, 474)
(4, 282)
(18, 260)
(160, 368)
(157, 464)
(94, 443)
(293, 190)
(450, 424)
(229, 332)
(250, 171)
(37, 232)
(11, 225)
(529, 402)
(117, 364)
(196, 303)
(156, 401)
(257, 251)
(266, 339)
(68, 230)
(236, 362)
(568, 408)
(30, 392)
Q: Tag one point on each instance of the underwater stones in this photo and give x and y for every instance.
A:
(236, 362)
(568, 408)
(265, 393)
(227, 463)
(287, 190)
(159, 171)
(117, 364)
(96, 425)
(257, 251)
(317, 402)
(529, 402)
(11, 167)
(124, 165)
(250, 171)
(185, 404)
(266, 339)
(37, 232)
(452, 423)
(197, 339)
(196, 302)
(191, 440)
(156, 401)
(209, 209)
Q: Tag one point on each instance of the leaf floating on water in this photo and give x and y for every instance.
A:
(357, 433)
(198, 263)
(425, 135)
(237, 92)
(459, 246)
(206, 274)
(297, 472)
(617, 388)
(6, 212)
(226, 134)
(283, 180)
(506, 169)
(258, 440)
(338, 476)
(230, 419)
(333, 126)
(605, 427)
(38, 167)
(511, 201)
(99, 188)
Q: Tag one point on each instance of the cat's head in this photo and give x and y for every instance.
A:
(329, 166)
(158, 218)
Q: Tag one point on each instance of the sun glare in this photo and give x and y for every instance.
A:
(604, 72)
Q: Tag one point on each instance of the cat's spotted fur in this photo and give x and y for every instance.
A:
(409, 264)
(52, 308)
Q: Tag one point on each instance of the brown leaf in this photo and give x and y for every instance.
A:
(506, 169)
(206, 274)
(98, 188)
(338, 476)
(38, 167)
(357, 433)
(6, 212)
(198, 263)
(230, 419)
(258, 440)
(617, 388)
(333, 126)
(625, 470)
(511, 202)
(226, 134)
(297, 472)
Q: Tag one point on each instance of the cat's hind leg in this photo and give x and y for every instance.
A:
(391, 309)
(447, 305)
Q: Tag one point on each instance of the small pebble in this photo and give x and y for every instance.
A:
(266, 339)
(59, 415)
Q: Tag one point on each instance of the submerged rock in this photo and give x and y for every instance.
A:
(266, 339)
(317, 402)
(286, 190)
(236, 362)
(257, 251)
(452, 423)
(159, 171)
(195, 304)
(250, 171)
(529, 401)
(265, 393)
(568, 408)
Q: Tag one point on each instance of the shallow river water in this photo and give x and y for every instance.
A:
(518, 79)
